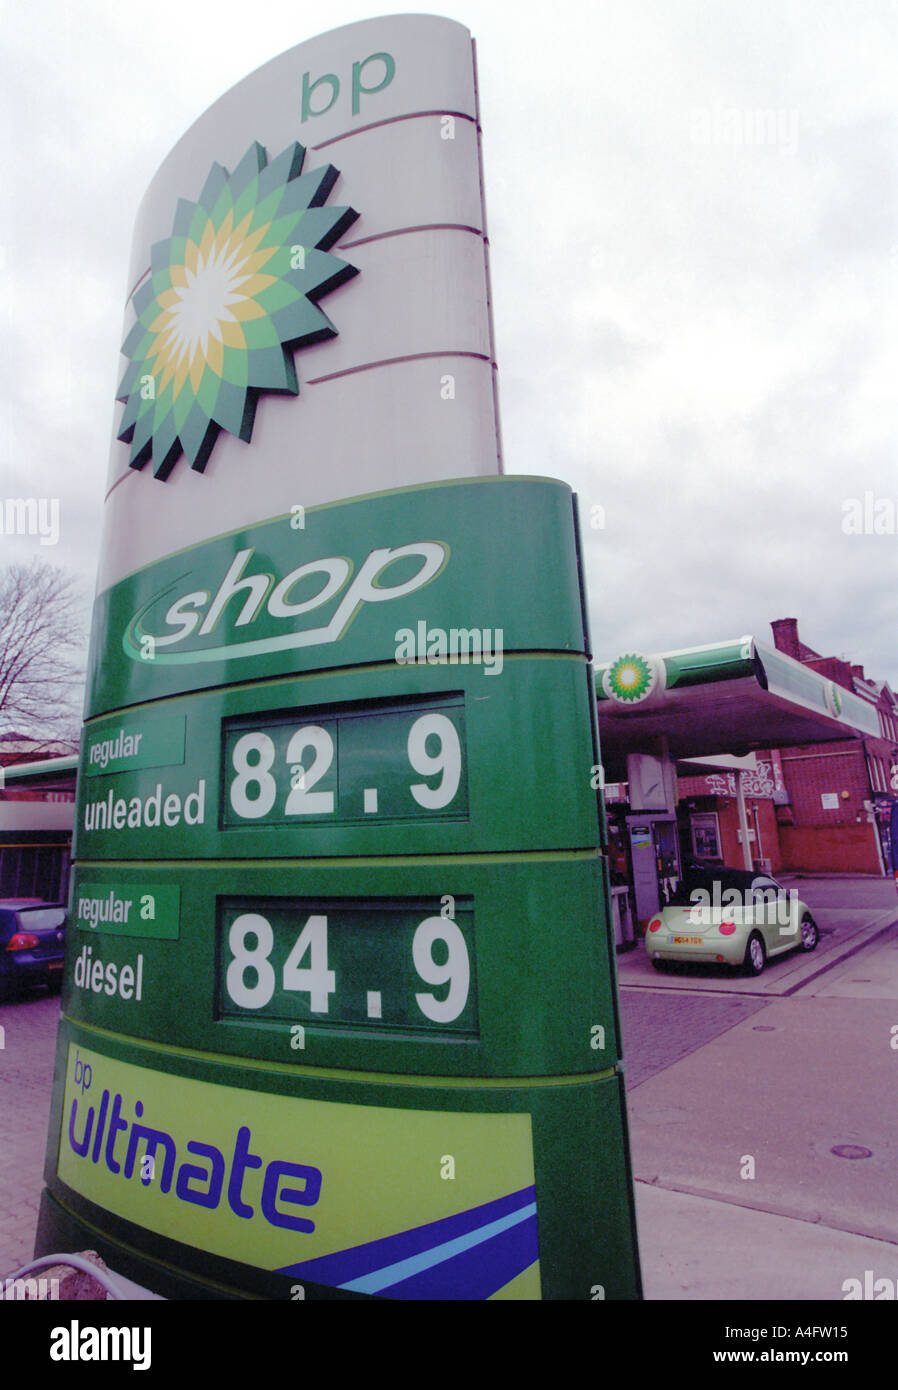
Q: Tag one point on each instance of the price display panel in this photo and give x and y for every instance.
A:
(391, 764)
(343, 764)
(371, 966)
(434, 965)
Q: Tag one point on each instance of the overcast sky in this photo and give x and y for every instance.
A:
(692, 209)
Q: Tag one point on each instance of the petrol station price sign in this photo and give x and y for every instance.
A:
(339, 1010)
(366, 882)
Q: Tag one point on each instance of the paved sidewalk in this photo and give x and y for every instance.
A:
(660, 1029)
(696, 1248)
(806, 1087)
(26, 1083)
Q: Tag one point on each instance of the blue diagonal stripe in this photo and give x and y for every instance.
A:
(344, 1266)
(477, 1273)
(404, 1269)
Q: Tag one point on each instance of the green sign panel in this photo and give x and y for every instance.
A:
(462, 946)
(311, 766)
(340, 891)
(457, 574)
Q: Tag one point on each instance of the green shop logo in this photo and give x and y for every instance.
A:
(632, 678)
(231, 293)
(243, 597)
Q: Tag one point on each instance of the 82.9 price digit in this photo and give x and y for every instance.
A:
(253, 789)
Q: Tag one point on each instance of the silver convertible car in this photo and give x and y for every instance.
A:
(730, 917)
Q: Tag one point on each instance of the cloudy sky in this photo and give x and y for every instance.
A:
(692, 210)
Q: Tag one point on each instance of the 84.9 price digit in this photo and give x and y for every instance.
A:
(251, 979)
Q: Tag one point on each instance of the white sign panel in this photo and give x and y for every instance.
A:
(307, 315)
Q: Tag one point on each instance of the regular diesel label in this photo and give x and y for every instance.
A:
(351, 1196)
(128, 909)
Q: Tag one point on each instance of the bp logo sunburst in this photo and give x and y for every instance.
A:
(630, 679)
(231, 293)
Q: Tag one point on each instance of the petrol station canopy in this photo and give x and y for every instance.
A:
(726, 698)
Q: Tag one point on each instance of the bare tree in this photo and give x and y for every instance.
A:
(42, 645)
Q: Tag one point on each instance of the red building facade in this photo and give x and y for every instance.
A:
(822, 808)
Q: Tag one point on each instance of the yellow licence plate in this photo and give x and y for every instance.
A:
(687, 940)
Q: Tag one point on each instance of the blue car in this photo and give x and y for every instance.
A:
(32, 943)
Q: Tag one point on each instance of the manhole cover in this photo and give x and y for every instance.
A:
(763, 1028)
(851, 1151)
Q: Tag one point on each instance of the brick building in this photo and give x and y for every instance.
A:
(820, 807)
(840, 794)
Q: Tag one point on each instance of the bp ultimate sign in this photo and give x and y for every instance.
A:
(340, 1014)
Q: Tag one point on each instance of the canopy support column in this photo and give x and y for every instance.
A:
(743, 822)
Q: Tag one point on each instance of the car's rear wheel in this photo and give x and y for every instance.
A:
(661, 965)
(810, 933)
(755, 954)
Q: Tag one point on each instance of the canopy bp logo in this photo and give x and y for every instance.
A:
(632, 678)
(231, 293)
(833, 699)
